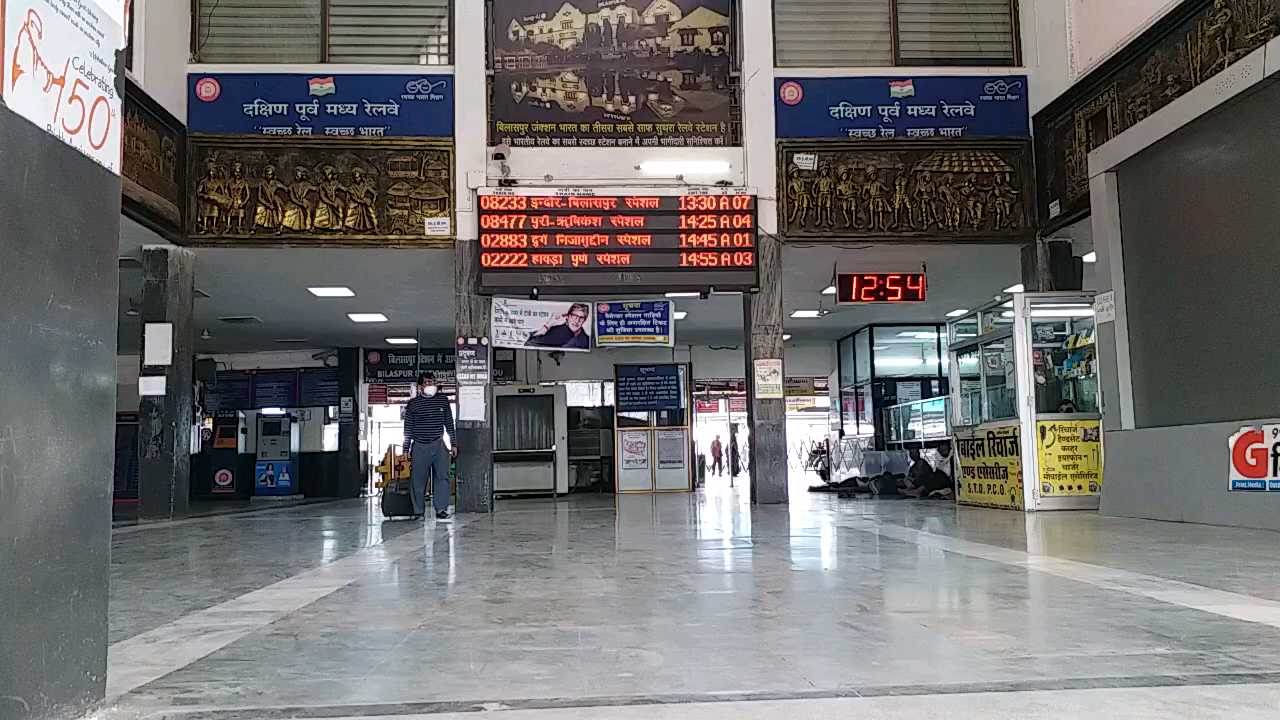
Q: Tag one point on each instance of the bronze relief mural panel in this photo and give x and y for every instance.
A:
(153, 163)
(1194, 42)
(251, 191)
(906, 191)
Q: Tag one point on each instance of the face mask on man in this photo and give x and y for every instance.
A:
(429, 390)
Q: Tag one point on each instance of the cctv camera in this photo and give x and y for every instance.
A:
(501, 151)
(533, 293)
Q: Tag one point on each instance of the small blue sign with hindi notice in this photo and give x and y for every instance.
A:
(635, 323)
(330, 104)
(934, 106)
(644, 388)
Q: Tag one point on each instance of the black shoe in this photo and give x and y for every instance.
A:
(444, 515)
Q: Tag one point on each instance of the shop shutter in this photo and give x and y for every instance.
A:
(955, 32)
(833, 33)
(258, 31)
(399, 32)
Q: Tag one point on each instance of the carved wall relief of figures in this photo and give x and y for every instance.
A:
(255, 191)
(151, 172)
(1193, 43)
(932, 191)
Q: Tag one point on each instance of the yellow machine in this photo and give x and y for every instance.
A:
(394, 468)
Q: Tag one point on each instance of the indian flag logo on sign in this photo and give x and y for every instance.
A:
(322, 86)
(902, 88)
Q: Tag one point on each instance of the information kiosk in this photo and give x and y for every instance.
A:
(1025, 405)
(653, 423)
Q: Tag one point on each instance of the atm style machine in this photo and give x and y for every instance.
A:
(276, 467)
(530, 440)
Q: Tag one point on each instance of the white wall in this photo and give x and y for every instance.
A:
(161, 47)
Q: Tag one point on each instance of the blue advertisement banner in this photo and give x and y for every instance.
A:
(634, 323)
(276, 477)
(641, 388)
(936, 106)
(335, 105)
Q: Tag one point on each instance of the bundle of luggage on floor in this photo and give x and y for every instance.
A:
(882, 485)
(397, 472)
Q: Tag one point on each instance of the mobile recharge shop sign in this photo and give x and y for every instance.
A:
(58, 60)
(635, 323)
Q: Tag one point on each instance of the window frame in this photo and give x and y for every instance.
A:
(895, 50)
(197, 16)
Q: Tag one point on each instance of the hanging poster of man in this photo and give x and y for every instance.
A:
(611, 73)
(542, 324)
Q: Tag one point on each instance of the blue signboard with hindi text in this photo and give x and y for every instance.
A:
(935, 106)
(644, 388)
(335, 105)
(635, 323)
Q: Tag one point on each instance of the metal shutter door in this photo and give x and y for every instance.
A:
(957, 32)
(258, 31)
(833, 33)
(404, 32)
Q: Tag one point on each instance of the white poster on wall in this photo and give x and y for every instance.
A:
(59, 71)
(542, 324)
(769, 384)
(635, 449)
(671, 445)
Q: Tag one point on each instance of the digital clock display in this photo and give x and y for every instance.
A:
(859, 288)
(606, 242)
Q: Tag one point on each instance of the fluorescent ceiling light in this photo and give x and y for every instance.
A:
(903, 362)
(367, 317)
(331, 292)
(1091, 257)
(1063, 313)
(786, 338)
(680, 315)
(918, 335)
(958, 312)
(1016, 288)
(271, 411)
(402, 341)
(880, 347)
(684, 295)
(829, 290)
(807, 314)
(1007, 313)
(673, 168)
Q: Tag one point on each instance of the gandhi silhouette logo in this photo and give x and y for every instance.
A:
(1255, 458)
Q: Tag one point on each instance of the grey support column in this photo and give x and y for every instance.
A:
(766, 418)
(59, 238)
(164, 431)
(475, 439)
(351, 470)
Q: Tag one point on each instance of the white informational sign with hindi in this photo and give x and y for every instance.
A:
(59, 71)
(1104, 307)
(769, 384)
(472, 404)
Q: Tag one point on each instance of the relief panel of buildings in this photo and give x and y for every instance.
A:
(906, 190)
(247, 191)
(1183, 50)
(152, 168)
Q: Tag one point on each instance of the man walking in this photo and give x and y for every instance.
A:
(717, 456)
(426, 419)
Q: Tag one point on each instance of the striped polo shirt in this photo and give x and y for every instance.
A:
(426, 419)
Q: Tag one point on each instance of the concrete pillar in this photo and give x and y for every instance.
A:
(59, 239)
(351, 471)
(766, 418)
(164, 422)
(475, 439)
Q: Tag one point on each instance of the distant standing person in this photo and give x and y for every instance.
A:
(717, 456)
(426, 419)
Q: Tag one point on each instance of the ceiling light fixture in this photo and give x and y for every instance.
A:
(958, 312)
(1090, 257)
(367, 317)
(807, 314)
(786, 337)
(402, 341)
(680, 315)
(683, 294)
(331, 292)
(1016, 288)
(676, 168)
(829, 290)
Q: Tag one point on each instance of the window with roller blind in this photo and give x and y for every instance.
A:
(372, 32)
(884, 33)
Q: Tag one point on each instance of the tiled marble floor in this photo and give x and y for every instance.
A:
(586, 609)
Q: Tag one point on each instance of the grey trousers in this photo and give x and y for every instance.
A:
(430, 458)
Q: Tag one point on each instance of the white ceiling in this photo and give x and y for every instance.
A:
(414, 288)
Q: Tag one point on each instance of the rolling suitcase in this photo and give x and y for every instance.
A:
(396, 501)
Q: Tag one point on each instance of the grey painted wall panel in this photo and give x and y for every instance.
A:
(59, 232)
(1201, 244)
(1180, 474)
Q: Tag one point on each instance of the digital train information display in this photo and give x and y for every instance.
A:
(615, 242)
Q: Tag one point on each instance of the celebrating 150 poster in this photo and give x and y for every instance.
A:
(611, 73)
